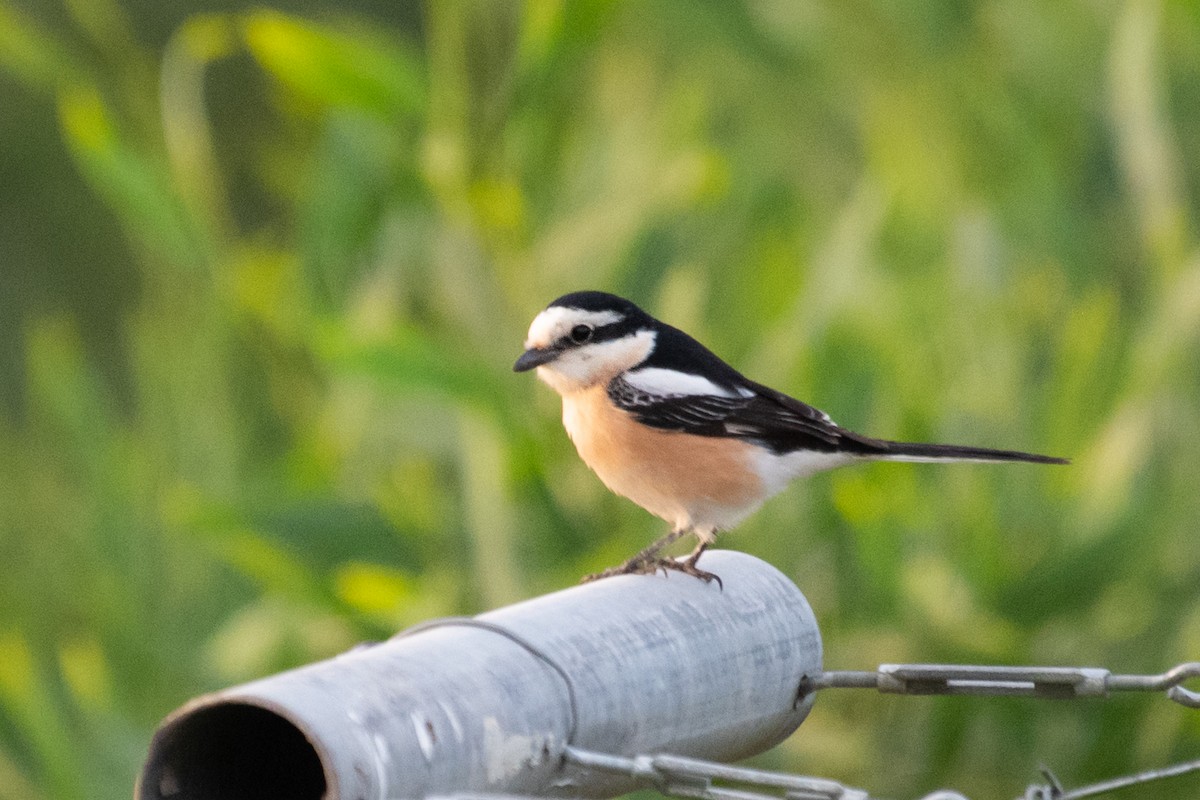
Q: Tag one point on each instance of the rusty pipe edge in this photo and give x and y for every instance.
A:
(626, 665)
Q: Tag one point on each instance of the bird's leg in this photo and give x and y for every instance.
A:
(648, 560)
(650, 552)
(644, 561)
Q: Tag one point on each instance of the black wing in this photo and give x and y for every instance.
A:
(758, 413)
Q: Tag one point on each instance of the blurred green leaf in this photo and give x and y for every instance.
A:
(32, 53)
(336, 69)
(26, 694)
(410, 361)
(137, 187)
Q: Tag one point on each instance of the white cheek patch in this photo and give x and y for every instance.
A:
(554, 323)
(589, 364)
(669, 382)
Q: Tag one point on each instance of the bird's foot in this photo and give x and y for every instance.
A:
(647, 566)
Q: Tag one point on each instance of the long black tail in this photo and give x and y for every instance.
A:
(914, 451)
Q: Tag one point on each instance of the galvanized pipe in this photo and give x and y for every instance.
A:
(626, 665)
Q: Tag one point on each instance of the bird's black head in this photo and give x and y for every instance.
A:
(584, 337)
(598, 301)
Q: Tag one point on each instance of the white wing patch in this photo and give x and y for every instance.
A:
(672, 383)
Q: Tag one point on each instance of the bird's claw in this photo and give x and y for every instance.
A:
(688, 567)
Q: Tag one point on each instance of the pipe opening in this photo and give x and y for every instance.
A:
(231, 752)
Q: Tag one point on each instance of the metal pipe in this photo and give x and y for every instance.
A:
(626, 665)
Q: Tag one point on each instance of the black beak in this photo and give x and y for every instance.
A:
(535, 357)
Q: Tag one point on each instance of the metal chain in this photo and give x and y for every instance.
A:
(676, 776)
(1042, 682)
(697, 779)
(1053, 790)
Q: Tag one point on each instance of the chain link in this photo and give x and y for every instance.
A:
(1053, 790)
(676, 776)
(697, 779)
(1043, 682)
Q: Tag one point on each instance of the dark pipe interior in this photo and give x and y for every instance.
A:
(232, 752)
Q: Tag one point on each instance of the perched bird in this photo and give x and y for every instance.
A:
(669, 425)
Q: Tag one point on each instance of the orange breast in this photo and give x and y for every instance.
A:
(687, 480)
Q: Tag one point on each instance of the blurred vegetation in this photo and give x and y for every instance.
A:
(265, 270)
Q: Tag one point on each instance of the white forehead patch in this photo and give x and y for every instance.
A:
(556, 322)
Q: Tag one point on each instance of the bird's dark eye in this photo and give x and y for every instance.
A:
(581, 333)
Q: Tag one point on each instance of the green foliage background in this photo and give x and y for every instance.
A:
(264, 270)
